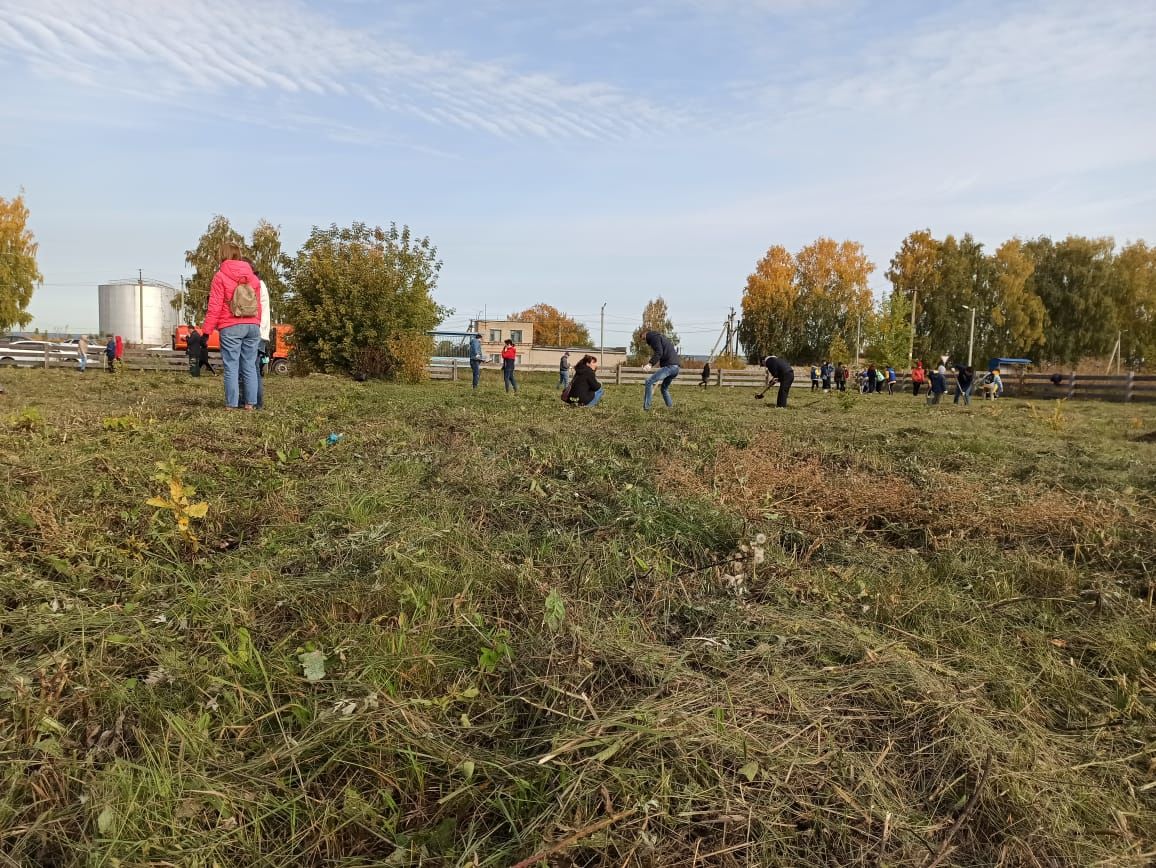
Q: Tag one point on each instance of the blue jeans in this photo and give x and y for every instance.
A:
(239, 345)
(597, 397)
(476, 370)
(563, 378)
(667, 376)
(508, 377)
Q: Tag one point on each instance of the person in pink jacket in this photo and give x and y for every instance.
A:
(235, 311)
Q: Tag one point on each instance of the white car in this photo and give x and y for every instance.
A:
(30, 354)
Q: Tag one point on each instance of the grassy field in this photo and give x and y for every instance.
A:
(478, 629)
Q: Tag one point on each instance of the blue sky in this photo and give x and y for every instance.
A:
(572, 153)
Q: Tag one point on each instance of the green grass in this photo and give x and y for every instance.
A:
(529, 641)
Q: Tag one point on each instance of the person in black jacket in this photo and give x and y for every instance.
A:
(203, 357)
(585, 390)
(780, 371)
(964, 380)
(193, 351)
(666, 357)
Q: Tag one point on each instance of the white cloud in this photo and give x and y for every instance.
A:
(217, 47)
(1050, 51)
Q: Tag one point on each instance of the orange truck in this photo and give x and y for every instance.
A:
(280, 342)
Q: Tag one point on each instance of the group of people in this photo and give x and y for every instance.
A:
(197, 351)
(239, 310)
(113, 353)
(584, 390)
(830, 376)
(874, 379)
(965, 382)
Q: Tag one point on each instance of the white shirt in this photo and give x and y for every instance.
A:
(265, 321)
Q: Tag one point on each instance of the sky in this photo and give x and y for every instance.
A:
(578, 154)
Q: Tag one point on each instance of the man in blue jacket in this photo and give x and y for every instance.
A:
(666, 357)
(476, 357)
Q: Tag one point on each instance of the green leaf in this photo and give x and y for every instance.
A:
(313, 665)
(467, 769)
(750, 771)
(555, 610)
(469, 693)
(464, 721)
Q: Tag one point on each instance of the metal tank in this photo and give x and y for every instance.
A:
(140, 311)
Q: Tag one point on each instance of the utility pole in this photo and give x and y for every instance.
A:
(730, 348)
(971, 336)
(602, 335)
(858, 338)
(911, 346)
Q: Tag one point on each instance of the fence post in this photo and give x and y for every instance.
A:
(720, 376)
(46, 356)
(1128, 387)
(1071, 385)
(618, 375)
(453, 370)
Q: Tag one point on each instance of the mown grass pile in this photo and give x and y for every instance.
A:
(490, 630)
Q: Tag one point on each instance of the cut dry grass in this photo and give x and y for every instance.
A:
(479, 630)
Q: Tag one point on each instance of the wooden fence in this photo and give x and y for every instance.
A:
(1034, 386)
(1127, 387)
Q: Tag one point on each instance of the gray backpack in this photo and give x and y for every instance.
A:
(243, 304)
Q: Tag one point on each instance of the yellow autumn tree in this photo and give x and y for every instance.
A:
(19, 273)
(914, 272)
(552, 328)
(1136, 278)
(768, 324)
(834, 296)
(1017, 314)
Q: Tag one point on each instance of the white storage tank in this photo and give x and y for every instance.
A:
(140, 311)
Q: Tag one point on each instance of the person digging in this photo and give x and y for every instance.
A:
(778, 371)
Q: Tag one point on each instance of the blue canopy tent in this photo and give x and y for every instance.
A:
(993, 364)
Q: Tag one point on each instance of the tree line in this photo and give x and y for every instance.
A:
(360, 297)
(1051, 301)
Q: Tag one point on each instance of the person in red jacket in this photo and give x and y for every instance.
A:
(918, 378)
(509, 356)
(235, 311)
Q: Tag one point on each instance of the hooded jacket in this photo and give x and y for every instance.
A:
(664, 354)
(584, 384)
(231, 272)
